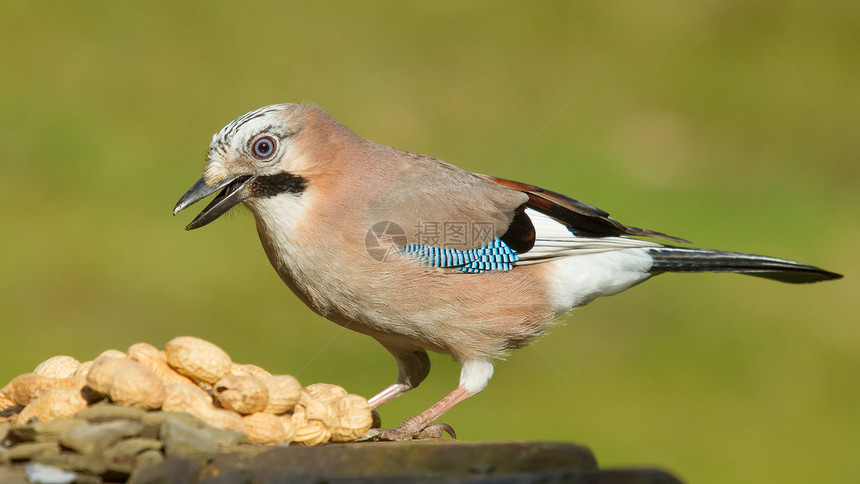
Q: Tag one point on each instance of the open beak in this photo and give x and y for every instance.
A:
(233, 191)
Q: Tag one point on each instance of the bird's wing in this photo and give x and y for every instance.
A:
(475, 223)
(582, 218)
(554, 239)
(438, 204)
(550, 225)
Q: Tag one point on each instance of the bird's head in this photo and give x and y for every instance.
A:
(261, 154)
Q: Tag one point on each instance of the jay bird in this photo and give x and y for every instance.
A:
(422, 255)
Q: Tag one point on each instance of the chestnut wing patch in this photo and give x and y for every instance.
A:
(583, 219)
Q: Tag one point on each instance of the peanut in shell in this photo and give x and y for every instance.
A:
(264, 428)
(308, 432)
(58, 367)
(55, 404)
(284, 393)
(126, 382)
(155, 359)
(353, 418)
(244, 395)
(28, 386)
(197, 359)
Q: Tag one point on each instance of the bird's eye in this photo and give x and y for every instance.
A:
(264, 147)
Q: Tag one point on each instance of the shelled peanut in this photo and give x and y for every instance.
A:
(194, 376)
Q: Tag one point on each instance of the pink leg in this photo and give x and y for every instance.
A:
(413, 427)
(390, 393)
(413, 365)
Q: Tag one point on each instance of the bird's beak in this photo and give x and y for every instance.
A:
(234, 191)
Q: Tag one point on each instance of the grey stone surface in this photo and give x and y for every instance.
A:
(45, 431)
(220, 437)
(172, 470)
(121, 458)
(429, 458)
(70, 461)
(147, 458)
(429, 462)
(186, 441)
(627, 476)
(97, 437)
(231, 476)
(28, 450)
(224, 438)
(133, 446)
(157, 418)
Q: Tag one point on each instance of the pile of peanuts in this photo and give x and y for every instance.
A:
(194, 376)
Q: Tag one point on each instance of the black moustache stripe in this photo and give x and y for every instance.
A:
(271, 185)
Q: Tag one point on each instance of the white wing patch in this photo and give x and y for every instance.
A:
(554, 240)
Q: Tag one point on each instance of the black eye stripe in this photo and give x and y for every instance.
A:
(271, 185)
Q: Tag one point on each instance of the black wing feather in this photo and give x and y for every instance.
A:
(584, 219)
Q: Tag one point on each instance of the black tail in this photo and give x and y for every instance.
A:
(680, 259)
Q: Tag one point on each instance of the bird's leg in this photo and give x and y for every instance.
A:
(390, 393)
(413, 365)
(474, 376)
(416, 427)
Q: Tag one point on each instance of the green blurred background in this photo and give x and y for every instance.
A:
(735, 124)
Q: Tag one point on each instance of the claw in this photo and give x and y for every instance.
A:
(435, 432)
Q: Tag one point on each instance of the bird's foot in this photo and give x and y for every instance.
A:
(435, 431)
(412, 430)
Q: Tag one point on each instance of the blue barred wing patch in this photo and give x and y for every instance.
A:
(495, 256)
